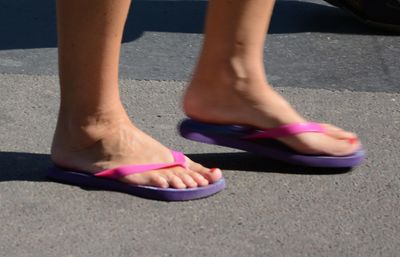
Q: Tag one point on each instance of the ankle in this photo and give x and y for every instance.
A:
(79, 130)
(229, 73)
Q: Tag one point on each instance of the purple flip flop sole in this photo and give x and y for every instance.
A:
(83, 179)
(232, 136)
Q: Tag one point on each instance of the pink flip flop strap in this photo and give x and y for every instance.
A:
(116, 173)
(287, 130)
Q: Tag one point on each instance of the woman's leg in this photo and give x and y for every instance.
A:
(229, 85)
(93, 130)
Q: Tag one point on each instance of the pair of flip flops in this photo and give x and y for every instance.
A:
(262, 142)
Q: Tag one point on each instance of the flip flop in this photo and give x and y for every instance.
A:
(263, 142)
(108, 180)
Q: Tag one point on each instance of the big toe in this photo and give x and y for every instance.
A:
(334, 146)
(338, 133)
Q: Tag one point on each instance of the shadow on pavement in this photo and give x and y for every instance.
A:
(32, 24)
(16, 166)
(249, 162)
(23, 166)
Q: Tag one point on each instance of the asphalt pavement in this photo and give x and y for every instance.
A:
(327, 64)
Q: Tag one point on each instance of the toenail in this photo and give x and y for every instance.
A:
(352, 140)
(213, 170)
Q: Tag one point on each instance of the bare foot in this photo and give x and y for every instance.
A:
(109, 143)
(255, 103)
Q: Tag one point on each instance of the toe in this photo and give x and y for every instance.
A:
(337, 147)
(199, 179)
(175, 181)
(147, 179)
(315, 143)
(338, 133)
(211, 175)
(184, 175)
(158, 181)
